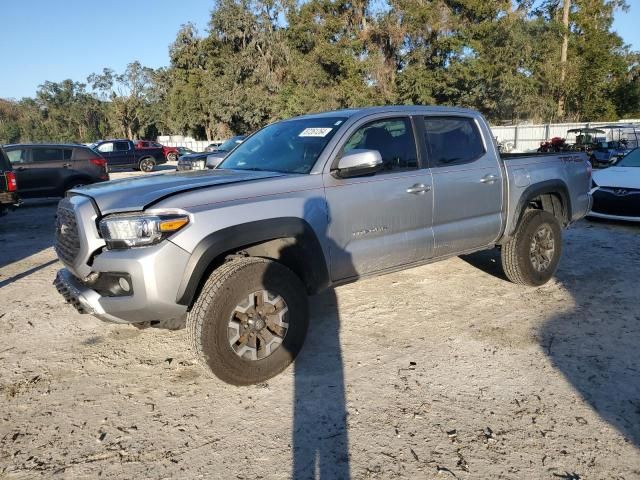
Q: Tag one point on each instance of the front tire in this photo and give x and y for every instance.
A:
(249, 321)
(172, 156)
(531, 257)
(146, 165)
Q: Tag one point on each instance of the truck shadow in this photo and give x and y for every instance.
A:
(27, 230)
(488, 261)
(595, 344)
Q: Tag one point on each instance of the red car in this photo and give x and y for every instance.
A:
(170, 153)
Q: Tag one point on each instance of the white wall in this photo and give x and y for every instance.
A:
(182, 141)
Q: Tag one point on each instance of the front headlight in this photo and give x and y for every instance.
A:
(140, 230)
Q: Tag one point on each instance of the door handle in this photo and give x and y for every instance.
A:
(66, 165)
(418, 188)
(489, 178)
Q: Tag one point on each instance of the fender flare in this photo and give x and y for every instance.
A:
(557, 187)
(212, 249)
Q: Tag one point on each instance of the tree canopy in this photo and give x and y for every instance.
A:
(263, 60)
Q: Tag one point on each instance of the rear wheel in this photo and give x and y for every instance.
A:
(531, 257)
(146, 165)
(249, 321)
(172, 156)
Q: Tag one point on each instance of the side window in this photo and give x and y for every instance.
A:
(46, 155)
(121, 146)
(452, 140)
(393, 138)
(17, 156)
(66, 153)
(105, 147)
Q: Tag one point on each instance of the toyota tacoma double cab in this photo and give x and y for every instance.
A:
(303, 205)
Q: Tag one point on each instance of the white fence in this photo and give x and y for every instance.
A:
(188, 142)
(528, 137)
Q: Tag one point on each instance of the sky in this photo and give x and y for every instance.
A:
(59, 39)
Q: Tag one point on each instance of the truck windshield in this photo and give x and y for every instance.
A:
(632, 159)
(292, 146)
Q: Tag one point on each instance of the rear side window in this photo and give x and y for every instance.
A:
(66, 153)
(121, 146)
(452, 140)
(105, 147)
(17, 156)
(83, 154)
(46, 154)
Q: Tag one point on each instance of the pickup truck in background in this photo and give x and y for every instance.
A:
(303, 205)
(124, 154)
(8, 185)
(171, 154)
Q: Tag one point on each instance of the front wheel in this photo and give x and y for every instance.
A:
(172, 156)
(147, 164)
(249, 321)
(531, 257)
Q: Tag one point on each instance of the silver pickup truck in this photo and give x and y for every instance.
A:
(303, 205)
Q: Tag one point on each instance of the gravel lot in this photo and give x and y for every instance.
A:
(442, 371)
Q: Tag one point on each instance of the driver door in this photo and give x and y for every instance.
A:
(381, 221)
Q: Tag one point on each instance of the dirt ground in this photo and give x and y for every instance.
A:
(442, 371)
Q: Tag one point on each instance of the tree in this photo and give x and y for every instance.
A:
(127, 95)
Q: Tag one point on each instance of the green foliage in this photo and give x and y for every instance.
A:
(263, 60)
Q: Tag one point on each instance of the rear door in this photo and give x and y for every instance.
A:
(381, 221)
(124, 153)
(467, 184)
(117, 153)
(40, 171)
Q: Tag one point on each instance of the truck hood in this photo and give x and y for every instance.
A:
(138, 193)
(620, 177)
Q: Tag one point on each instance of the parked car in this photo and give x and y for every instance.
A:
(616, 190)
(192, 161)
(122, 153)
(302, 205)
(213, 146)
(8, 185)
(49, 170)
(215, 157)
(171, 154)
(184, 151)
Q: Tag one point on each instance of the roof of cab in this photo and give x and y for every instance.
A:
(365, 111)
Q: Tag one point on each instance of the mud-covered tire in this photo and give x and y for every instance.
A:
(516, 256)
(224, 290)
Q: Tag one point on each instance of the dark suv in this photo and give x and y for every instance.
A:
(49, 170)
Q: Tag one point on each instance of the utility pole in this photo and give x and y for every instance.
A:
(563, 57)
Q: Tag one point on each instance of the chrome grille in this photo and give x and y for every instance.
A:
(67, 240)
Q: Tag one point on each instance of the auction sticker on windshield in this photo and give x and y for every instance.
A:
(315, 132)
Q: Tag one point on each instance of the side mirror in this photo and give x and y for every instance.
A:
(359, 162)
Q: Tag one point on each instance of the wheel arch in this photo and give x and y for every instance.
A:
(551, 196)
(289, 240)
